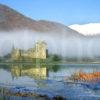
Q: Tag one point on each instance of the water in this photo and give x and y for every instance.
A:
(48, 81)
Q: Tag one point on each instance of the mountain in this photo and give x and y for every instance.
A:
(87, 29)
(11, 20)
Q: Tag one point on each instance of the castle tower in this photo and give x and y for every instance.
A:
(40, 50)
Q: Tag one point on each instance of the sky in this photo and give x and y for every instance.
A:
(67, 12)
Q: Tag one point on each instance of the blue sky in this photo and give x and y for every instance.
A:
(65, 11)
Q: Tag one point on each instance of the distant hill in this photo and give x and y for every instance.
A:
(12, 20)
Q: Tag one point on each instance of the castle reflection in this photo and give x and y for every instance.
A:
(36, 72)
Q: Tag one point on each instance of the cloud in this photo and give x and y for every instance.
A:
(87, 29)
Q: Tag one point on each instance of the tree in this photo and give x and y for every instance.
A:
(56, 58)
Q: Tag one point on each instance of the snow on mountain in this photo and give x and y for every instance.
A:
(87, 29)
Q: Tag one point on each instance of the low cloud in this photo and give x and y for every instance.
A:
(56, 44)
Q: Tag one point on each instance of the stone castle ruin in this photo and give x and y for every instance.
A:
(38, 51)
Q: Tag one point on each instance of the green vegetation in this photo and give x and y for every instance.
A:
(52, 59)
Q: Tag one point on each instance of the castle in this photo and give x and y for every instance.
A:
(38, 51)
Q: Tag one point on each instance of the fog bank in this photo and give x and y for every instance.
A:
(72, 46)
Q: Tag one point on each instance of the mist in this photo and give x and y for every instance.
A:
(60, 44)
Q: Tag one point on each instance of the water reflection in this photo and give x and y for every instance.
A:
(37, 72)
(29, 78)
(31, 72)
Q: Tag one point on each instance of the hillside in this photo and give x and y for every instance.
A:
(11, 20)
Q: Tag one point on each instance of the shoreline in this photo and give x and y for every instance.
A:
(47, 63)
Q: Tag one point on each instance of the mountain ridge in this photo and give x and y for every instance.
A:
(11, 20)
